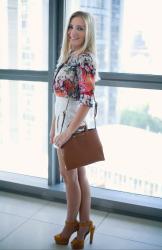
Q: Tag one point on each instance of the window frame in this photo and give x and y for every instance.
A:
(53, 189)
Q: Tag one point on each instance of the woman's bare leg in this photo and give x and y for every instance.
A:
(73, 192)
(84, 211)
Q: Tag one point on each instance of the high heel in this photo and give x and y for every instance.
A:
(74, 226)
(79, 244)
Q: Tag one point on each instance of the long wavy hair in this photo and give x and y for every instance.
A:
(89, 42)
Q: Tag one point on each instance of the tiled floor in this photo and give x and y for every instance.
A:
(29, 223)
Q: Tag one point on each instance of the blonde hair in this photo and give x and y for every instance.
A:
(89, 42)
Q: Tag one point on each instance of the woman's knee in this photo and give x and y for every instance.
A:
(71, 177)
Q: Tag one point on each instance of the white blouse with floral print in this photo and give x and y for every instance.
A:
(76, 78)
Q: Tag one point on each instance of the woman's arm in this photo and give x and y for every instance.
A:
(74, 125)
(52, 131)
(78, 118)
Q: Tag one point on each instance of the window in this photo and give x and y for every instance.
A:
(24, 34)
(24, 103)
(24, 106)
(130, 127)
(130, 122)
(23, 128)
(132, 37)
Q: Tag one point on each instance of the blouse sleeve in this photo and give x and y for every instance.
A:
(86, 71)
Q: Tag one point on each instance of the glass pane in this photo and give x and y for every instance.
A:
(128, 34)
(130, 127)
(24, 34)
(23, 127)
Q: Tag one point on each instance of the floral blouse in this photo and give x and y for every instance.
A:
(76, 78)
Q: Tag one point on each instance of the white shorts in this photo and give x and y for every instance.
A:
(60, 107)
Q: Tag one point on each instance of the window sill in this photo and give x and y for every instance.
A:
(102, 199)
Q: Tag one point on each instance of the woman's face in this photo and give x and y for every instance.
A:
(76, 33)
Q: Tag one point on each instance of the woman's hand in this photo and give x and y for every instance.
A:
(59, 140)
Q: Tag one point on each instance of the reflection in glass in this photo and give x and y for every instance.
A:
(130, 126)
(24, 34)
(23, 128)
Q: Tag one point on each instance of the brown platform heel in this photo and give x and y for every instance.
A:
(79, 244)
(74, 226)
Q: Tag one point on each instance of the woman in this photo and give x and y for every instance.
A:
(74, 81)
